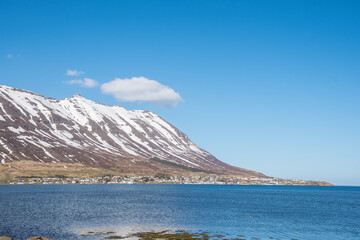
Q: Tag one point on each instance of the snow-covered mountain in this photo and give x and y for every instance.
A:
(78, 130)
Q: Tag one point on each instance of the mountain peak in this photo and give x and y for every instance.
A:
(77, 95)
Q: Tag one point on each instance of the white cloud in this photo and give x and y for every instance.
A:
(74, 72)
(86, 82)
(9, 56)
(143, 90)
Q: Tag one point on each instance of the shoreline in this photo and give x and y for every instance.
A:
(193, 184)
(162, 179)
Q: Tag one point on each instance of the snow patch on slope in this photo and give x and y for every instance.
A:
(16, 130)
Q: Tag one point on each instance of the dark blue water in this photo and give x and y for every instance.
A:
(265, 212)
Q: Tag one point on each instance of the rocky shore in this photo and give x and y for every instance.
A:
(166, 234)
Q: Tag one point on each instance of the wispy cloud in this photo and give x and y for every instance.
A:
(74, 72)
(10, 56)
(86, 82)
(143, 90)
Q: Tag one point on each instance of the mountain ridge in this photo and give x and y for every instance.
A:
(79, 130)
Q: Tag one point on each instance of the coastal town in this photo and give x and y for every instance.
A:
(163, 179)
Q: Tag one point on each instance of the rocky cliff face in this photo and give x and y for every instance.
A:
(78, 130)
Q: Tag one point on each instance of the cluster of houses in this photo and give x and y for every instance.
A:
(159, 179)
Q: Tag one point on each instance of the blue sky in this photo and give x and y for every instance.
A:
(272, 86)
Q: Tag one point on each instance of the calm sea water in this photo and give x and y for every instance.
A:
(264, 212)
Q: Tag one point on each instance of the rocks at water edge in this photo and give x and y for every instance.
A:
(5, 238)
(39, 238)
